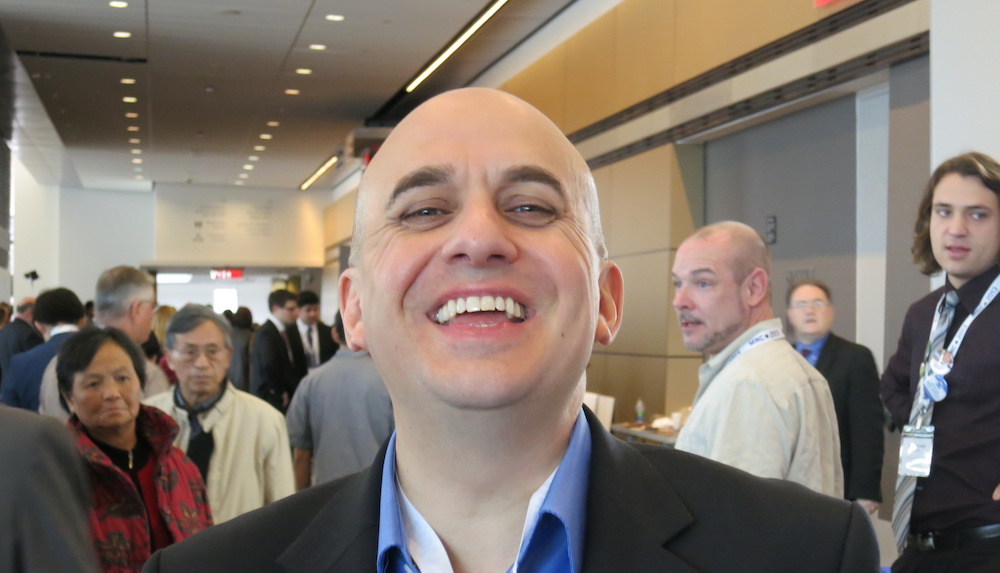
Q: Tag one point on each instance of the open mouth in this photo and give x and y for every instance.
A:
(472, 304)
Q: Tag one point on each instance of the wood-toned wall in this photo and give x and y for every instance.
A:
(650, 202)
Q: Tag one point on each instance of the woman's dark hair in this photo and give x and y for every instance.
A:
(79, 350)
(982, 167)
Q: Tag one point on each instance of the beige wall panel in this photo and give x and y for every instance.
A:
(712, 32)
(641, 209)
(543, 85)
(632, 377)
(682, 383)
(644, 54)
(597, 372)
(675, 343)
(590, 73)
(644, 322)
(338, 220)
(687, 191)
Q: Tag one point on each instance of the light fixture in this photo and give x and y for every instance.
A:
(248, 167)
(292, 92)
(173, 278)
(259, 148)
(265, 136)
(136, 152)
(122, 35)
(273, 123)
(238, 182)
(303, 71)
(135, 141)
(456, 44)
(131, 115)
(137, 161)
(139, 177)
(132, 128)
(118, 4)
(317, 47)
(334, 18)
(243, 175)
(319, 173)
(130, 99)
(127, 81)
(253, 158)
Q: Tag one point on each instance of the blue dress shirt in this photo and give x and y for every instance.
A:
(814, 349)
(554, 543)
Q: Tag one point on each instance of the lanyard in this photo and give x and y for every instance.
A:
(759, 338)
(932, 386)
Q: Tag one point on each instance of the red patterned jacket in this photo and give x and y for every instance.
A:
(118, 523)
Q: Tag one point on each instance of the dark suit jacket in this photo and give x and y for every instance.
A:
(649, 509)
(854, 382)
(16, 337)
(300, 364)
(24, 379)
(272, 374)
(239, 365)
(44, 496)
(327, 347)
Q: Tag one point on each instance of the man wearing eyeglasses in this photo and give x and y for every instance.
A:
(760, 406)
(850, 370)
(238, 441)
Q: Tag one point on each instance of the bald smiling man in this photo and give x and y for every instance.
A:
(479, 284)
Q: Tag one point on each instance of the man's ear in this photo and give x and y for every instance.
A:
(612, 291)
(350, 310)
(756, 286)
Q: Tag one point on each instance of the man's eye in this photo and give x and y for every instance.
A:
(942, 212)
(979, 215)
(704, 284)
(425, 212)
(532, 214)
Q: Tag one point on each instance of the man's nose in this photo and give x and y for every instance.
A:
(481, 235)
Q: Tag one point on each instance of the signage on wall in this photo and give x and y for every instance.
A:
(225, 274)
(821, 3)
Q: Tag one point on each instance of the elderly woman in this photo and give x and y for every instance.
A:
(146, 493)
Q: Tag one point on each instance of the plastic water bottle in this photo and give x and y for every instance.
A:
(640, 411)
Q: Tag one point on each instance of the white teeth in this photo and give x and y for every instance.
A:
(485, 303)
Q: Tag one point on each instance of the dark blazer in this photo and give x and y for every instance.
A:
(649, 509)
(300, 364)
(239, 365)
(24, 379)
(327, 347)
(44, 497)
(854, 382)
(16, 337)
(272, 374)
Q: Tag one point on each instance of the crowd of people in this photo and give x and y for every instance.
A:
(438, 424)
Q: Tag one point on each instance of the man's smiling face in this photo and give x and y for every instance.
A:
(478, 282)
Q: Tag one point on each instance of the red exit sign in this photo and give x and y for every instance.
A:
(225, 274)
(821, 3)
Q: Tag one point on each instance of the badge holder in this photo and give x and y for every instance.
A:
(915, 451)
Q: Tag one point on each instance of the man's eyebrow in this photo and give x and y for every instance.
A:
(533, 174)
(422, 177)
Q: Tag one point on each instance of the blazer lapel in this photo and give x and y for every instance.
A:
(343, 537)
(632, 511)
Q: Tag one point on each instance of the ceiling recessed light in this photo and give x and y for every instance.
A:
(265, 136)
(259, 148)
(132, 128)
(248, 167)
(253, 158)
(334, 18)
(137, 161)
(303, 71)
(130, 99)
(135, 141)
(118, 4)
(317, 46)
(136, 152)
(238, 182)
(243, 175)
(273, 123)
(122, 35)
(292, 92)
(127, 81)
(131, 115)
(139, 177)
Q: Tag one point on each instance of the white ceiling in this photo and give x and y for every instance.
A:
(211, 73)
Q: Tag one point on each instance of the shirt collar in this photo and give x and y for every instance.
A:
(56, 330)
(277, 323)
(816, 347)
(972, 292)
(553, 534)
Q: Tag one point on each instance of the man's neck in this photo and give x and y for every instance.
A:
(193, 400)
(471, 477)
(807, 339)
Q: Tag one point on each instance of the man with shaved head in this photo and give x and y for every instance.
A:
(760, 406)
(479, 284)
